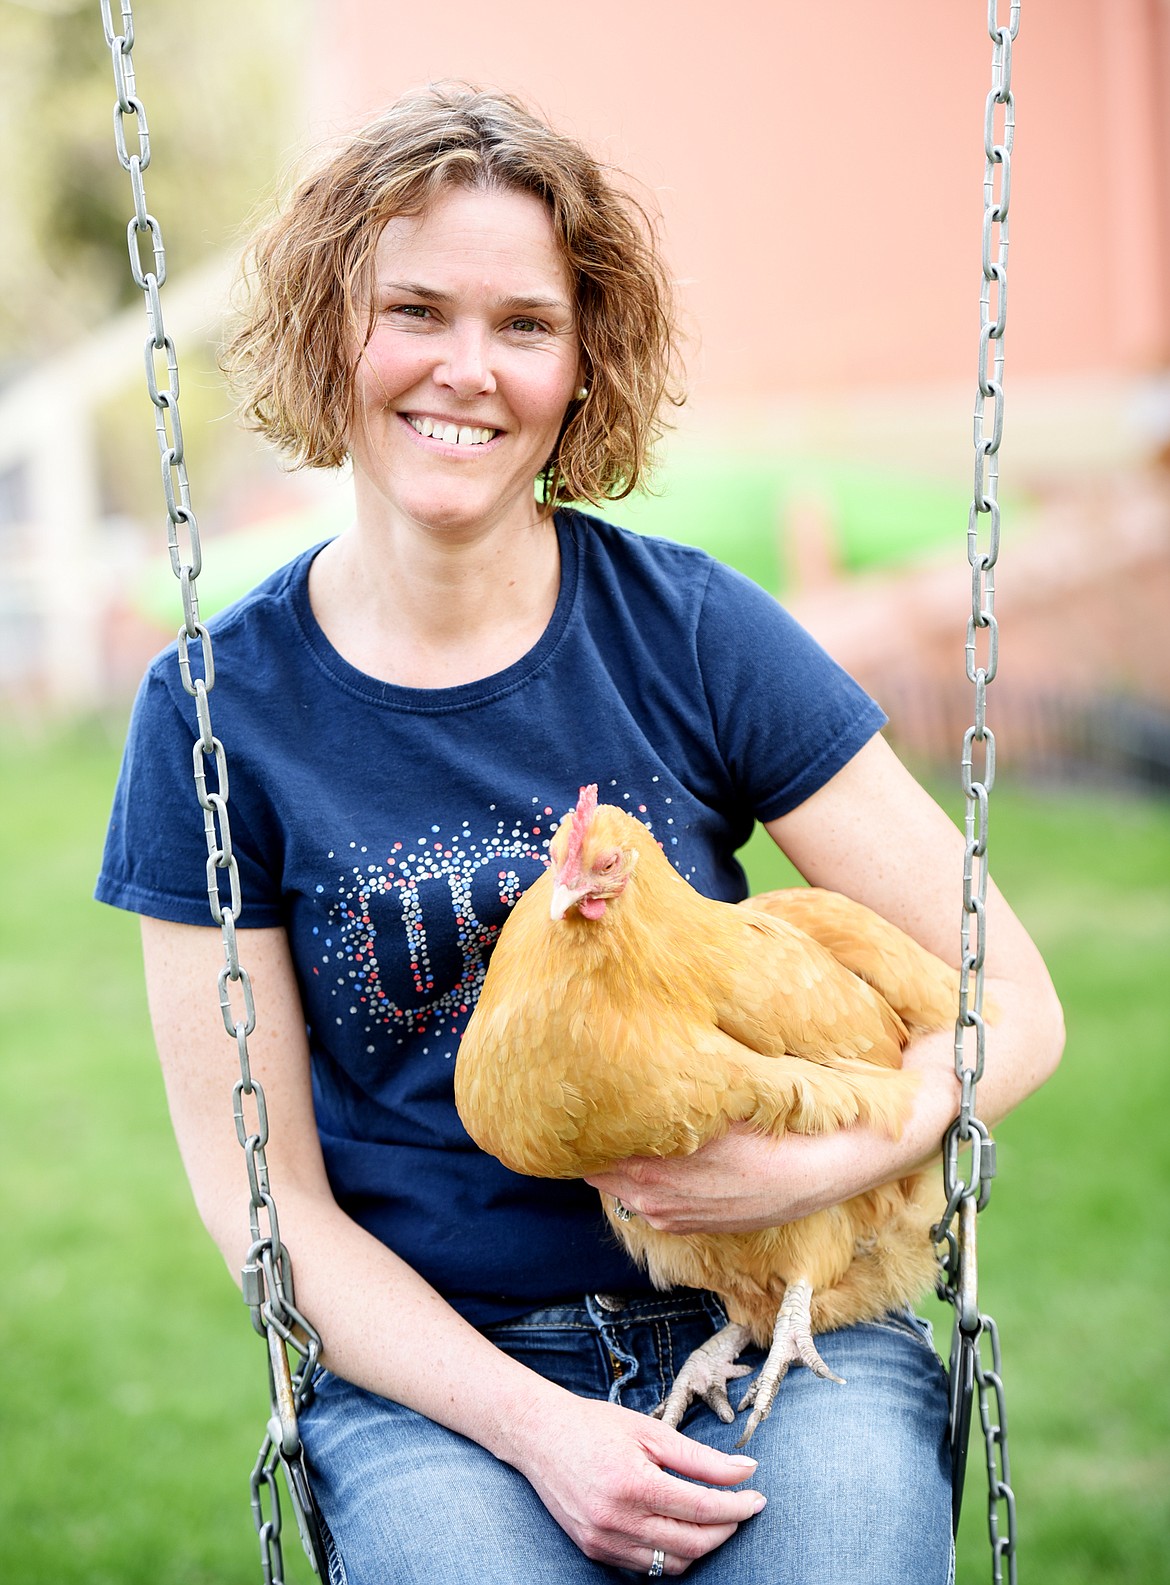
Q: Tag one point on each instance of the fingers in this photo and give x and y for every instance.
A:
(703, 1192)
(659, 1511)
(674, 1557)
(627, 1176)
(689, 1504)
(709, 1510)
(611, 1182)
(629, 1541)
(622, 1485)
(672, 1450)
(686, 1521)
(682, 1541)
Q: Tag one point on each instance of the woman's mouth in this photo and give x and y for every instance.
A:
(451, 434)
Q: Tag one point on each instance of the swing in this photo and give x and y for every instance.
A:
(293, 1345)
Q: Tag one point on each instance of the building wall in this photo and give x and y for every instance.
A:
(819, 169)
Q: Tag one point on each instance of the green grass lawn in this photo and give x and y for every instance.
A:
(134, 1392)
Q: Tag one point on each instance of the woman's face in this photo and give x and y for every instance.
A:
(462, 388)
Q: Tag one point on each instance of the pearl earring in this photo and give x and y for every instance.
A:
(581, 393)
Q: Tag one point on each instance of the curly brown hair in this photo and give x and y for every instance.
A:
(291, 358)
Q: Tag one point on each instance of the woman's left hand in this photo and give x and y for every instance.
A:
(742, 1181)
(747, 1180)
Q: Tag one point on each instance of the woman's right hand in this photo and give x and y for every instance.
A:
(599, 1469)
(603, 1472)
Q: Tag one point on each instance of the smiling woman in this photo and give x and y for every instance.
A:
(460, 396)
(463, 305)
(310, 277)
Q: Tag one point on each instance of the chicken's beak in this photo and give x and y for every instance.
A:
(563, 898)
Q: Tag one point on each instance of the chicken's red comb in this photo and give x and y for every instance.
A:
(582, 816)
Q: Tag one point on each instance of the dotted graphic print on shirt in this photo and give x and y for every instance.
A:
(413, 922)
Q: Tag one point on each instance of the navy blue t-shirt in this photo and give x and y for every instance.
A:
(389, 830)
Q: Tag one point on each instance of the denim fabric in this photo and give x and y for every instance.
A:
(857, 1477)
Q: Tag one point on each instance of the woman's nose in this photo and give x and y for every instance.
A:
(465, 366)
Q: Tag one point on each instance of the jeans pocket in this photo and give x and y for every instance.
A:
(337, 1574)
(909, 1324)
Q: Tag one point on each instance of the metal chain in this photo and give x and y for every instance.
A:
(968, 1193)
(267, 1273)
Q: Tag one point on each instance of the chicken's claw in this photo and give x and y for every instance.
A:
(792, 1343)
(705, 1375)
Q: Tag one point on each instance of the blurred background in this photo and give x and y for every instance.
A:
(818, 176)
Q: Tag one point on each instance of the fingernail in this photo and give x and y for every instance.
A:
(761, 1502)
(742, 1458)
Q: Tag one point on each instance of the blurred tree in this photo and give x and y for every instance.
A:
(221, 83)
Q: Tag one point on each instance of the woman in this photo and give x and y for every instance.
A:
(462, 304)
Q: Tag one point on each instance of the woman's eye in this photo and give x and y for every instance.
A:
(527, 327)
(409, 310)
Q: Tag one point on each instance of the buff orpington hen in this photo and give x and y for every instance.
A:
(625, 1014)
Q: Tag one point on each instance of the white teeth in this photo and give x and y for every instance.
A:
(453, 434)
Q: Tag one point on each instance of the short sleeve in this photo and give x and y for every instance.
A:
(155, 856)
(786, 716)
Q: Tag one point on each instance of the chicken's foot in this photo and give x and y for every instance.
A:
(706, 1374)
(792, 1343)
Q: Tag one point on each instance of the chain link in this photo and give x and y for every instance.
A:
(968, 1193)
(267, 1273)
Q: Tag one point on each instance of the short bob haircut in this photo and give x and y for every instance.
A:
(305, 276)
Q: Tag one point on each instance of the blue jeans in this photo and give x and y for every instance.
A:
(857, 1477)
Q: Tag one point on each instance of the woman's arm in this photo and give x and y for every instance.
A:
(601, 1470)
(874, 834)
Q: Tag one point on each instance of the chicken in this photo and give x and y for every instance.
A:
(624, 1014)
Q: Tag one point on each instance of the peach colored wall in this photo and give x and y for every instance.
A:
(819, 167)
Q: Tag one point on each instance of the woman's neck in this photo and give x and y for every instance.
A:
(426, 610)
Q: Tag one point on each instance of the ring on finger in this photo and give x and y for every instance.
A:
(623, 1214)
(656, 1562)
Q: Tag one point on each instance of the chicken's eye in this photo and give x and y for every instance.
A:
(609, 863)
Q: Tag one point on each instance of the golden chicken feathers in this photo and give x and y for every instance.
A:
(625, 1014)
